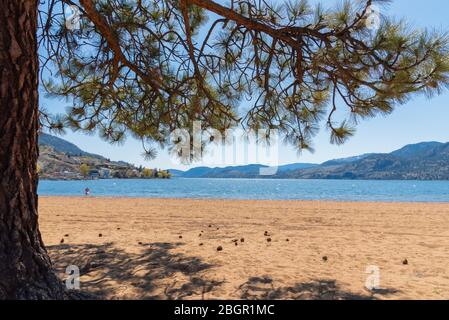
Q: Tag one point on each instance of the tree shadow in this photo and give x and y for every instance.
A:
(263, 288)
(111, 273)
(108, 272)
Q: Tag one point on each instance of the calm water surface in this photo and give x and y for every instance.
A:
(341, 190)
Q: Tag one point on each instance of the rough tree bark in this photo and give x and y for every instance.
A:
(25, 268)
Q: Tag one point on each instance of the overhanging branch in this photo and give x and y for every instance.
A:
(106, 31)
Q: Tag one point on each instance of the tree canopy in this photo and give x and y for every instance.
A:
(147, 67)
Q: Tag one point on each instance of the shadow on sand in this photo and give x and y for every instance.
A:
(262, 288)
(157, 273)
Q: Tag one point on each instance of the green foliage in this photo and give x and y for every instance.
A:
(150, 173)
(147, 173)
(293, 67)
(164, 174)
(84, 170)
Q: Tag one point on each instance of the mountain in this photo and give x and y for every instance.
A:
(296, 166)
(247, 171)
(345, 160)
(420, 149)
(176, 173)
(421, 161)
(63, 146)
(60, 159)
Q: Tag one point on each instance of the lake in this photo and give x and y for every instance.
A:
(339, 190)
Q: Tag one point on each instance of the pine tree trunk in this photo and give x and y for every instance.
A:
(25, 268)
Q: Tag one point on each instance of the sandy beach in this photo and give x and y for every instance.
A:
(167, 248)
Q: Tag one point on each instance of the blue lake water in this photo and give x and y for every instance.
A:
(340, 190)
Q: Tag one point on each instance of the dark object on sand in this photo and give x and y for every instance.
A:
(100, 235)
(242, 240)
(66, 235)
(180, 237)
(268, 239)
(405, 262)
(325, 258)
(94, 265)
(118, 228)
(200, 235)
(236, 243)
(210, 226)
(62, 241)
(266, 234)
(201, 244)
(220, 248)
(287, 240)
(140, 243)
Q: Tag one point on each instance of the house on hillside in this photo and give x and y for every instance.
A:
(105, 173)
(70, 175)
(94, 174)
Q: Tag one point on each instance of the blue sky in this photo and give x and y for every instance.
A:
(419, 120)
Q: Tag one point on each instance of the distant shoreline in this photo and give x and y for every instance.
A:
(260, 178)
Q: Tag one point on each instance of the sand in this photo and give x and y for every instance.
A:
(152, 248)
